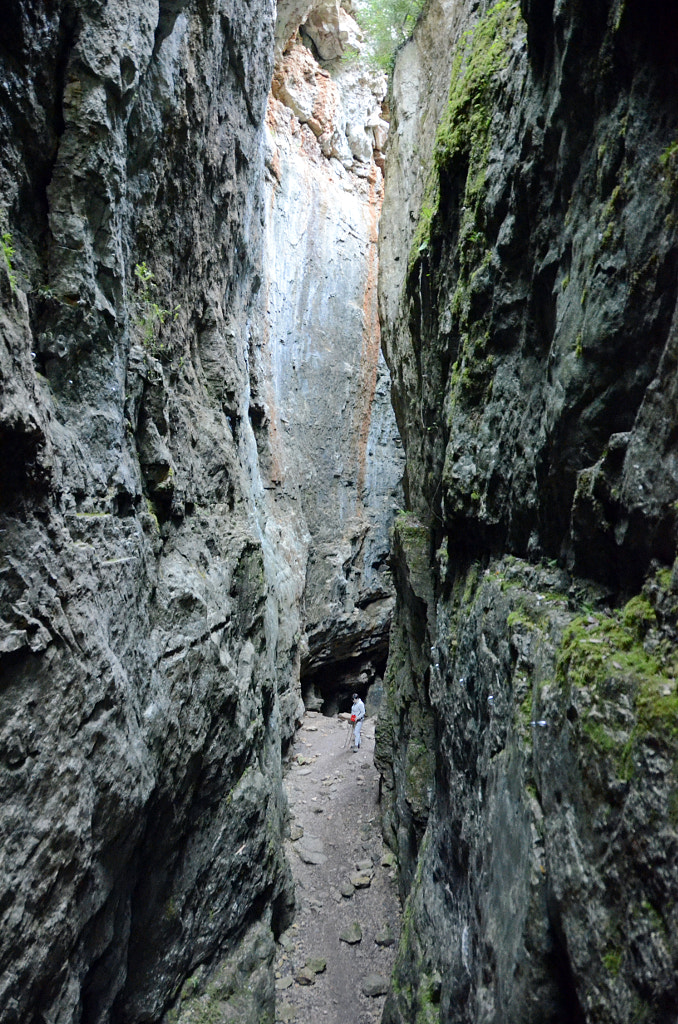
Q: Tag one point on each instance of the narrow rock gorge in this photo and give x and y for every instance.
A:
(301, 370)
(200, 466)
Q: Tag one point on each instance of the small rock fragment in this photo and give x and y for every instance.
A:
(352, 934)
(361, 880)
(364, 865)
(374, 985)
(347, 890)
(282, 983)
(310, 856)
(305, 976)
(384, 936)
(317, 964)
(388, 860)
(296, 831)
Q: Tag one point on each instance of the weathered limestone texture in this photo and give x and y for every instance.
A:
(530, 329)
(332, 433)
(150, 610)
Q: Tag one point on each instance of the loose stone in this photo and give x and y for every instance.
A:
(305, 976)
(361, 880)
(374, 985)
(384, 936)
(310, 850)
(310, 856)
(352, 934)
(317, 964)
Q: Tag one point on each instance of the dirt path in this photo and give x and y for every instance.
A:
(335, 836)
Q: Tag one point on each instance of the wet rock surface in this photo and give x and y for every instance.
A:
(336, 805)
(527, 726)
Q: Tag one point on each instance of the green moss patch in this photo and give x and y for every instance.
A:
(612, 961)
(629, 673)
(464, 131)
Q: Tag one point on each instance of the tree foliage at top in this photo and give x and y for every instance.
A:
(387, 24)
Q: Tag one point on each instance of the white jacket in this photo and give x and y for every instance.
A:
(358, 710)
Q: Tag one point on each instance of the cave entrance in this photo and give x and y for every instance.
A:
(329, 688)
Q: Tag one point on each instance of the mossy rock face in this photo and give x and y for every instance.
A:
(240, 991)
(620, 670)
(420, 764)
(607, 773)
(574, 769)
(412, 543)
(464, 131)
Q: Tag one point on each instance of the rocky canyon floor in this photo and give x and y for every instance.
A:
(334, 962)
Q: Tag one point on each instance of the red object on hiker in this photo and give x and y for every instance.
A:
(353, 718)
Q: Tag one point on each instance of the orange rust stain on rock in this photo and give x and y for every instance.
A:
(369, 357)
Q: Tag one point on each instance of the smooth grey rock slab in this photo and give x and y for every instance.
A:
(310, 856)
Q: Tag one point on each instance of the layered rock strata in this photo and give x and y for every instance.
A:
(529, 743)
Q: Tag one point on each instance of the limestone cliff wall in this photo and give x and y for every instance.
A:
(149, 638)
(334, 443)
(529, 744)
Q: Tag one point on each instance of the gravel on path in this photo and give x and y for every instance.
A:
(336, 852)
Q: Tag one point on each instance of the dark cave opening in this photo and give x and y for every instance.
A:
(329, 688)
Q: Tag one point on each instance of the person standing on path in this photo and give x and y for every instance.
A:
(357, 715)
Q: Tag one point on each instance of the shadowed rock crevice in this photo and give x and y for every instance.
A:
(330, 688)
